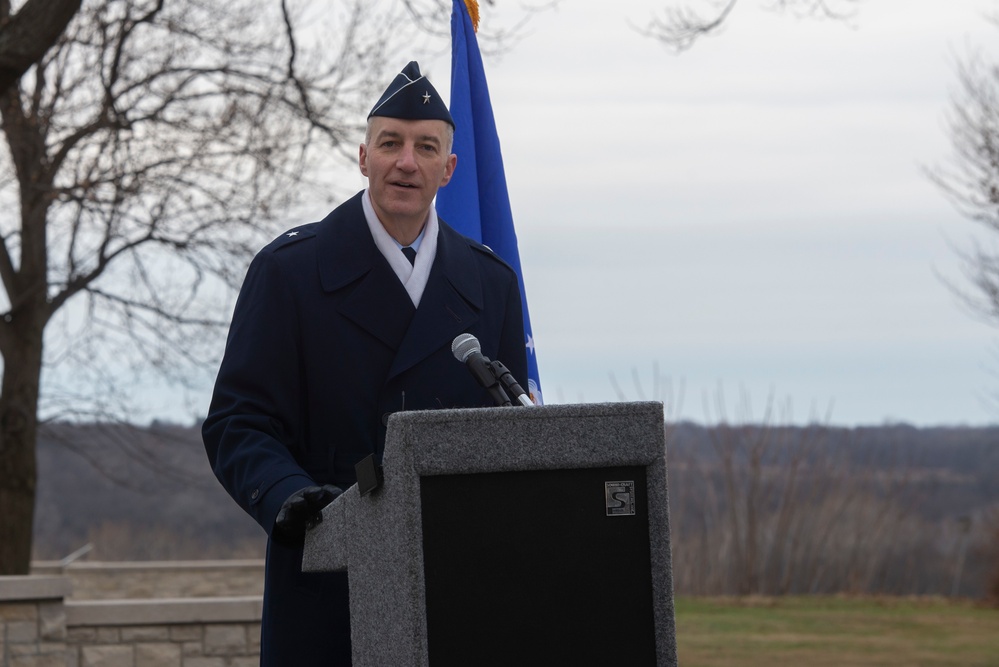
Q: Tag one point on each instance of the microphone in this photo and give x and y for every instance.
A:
(489, 374)
(466, 350)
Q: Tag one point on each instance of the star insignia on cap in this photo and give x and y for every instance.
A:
(426, 97)
(290, 234)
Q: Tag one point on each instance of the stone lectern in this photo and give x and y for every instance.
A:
(509, 536)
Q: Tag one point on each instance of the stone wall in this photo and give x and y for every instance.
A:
(195, 632)
(40, 626)
(33, 621)
(97, 580)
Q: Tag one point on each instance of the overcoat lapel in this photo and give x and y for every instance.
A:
(377, 302)
(450, 304)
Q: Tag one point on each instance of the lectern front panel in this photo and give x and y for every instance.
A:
(542, 567)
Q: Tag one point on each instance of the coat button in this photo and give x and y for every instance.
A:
(256, 492)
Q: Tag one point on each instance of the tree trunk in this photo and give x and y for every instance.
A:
(18, 435)
(27, 35)
(22, 332)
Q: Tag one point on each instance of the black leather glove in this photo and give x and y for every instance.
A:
(303, 511)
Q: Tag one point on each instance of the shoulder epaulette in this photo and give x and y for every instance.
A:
(293, 236)
(481, 247)
(486, 250)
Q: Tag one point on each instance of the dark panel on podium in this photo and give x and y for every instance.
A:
(541, 567)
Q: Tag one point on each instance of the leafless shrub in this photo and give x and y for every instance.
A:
(764, 509)
(128, 541)
(991, 548)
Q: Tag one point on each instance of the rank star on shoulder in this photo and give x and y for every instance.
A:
(426, 98)
(290, 234)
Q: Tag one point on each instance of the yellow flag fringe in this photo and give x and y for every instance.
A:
(473, 13)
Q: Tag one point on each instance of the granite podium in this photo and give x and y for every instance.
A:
(509, 536)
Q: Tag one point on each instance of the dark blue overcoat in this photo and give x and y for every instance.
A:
(324, 344)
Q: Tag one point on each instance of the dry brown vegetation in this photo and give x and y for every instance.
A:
(754, 509)
(757, 509)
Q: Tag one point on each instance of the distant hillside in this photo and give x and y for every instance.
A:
(798, 509)
(948, 472)
(135, 493)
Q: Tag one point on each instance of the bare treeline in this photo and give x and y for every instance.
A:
(757, 509)
(754, 509)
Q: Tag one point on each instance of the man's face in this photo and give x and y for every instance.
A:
(406, 161)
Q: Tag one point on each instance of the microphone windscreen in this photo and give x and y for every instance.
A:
(464, 345)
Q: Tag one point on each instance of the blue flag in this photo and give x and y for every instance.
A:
(475, 201)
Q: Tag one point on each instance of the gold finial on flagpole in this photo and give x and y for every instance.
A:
(473, 12)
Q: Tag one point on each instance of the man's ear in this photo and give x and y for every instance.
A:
(452, 162)
(362, 159)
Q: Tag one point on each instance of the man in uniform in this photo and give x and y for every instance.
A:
(338, 324)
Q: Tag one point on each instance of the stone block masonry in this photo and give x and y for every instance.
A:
(33, 621)
(40, 628)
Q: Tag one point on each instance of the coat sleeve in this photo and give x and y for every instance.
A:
(252, 429)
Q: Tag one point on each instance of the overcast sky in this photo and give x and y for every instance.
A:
(750, 215)
(749, 218)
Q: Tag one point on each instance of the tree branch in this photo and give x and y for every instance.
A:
(29, 34)
(680, 27)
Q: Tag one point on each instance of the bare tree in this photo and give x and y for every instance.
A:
(767, 473)
(992, 546)
(146, 156)
(971, 178)
(25, 36)
(679, 27)
(761, 508)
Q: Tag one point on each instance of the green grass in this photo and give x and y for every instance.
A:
(828, 631)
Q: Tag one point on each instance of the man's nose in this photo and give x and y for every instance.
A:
(407, 158)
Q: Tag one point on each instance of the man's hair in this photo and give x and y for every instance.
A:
(448, 136)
